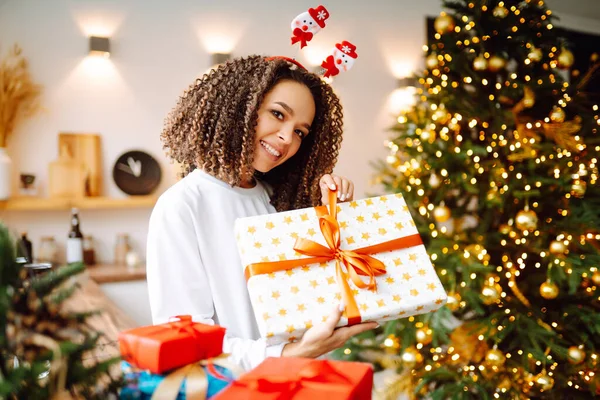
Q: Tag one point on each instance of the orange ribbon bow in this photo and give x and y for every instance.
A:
(356, 262)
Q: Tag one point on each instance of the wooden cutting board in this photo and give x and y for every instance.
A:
(85, 148)
(67, 176)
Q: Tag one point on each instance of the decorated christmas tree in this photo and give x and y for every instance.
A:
(46, 351)
(498, 162)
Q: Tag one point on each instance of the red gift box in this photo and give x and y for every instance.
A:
(160, 348)
(302, 379)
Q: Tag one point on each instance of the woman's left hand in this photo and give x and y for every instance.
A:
(344, 187)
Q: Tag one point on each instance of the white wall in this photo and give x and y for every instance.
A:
(158, 47)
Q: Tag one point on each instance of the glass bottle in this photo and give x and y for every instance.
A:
(47, 251)
(25, 248)
(89, 255)
(122, 247)
(75, 239)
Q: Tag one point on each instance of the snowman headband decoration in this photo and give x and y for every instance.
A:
(308, 24)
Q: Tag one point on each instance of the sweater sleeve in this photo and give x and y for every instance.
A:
(178, 283)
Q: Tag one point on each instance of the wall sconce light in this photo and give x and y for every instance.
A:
(219, 58)
(99, 46)
(403, 97)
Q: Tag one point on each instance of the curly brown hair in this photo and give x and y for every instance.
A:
(212, 127)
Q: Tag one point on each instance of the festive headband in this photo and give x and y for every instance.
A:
(288, 59)
(308, 24)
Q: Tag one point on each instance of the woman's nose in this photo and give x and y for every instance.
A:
(286, 134)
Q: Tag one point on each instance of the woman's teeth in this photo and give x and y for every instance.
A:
(270, 149)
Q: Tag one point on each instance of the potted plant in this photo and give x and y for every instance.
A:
(19, 98)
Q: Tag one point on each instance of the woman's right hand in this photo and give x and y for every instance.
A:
(323, 338)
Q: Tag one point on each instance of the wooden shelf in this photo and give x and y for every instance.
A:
(107, 273)
(84, 203)
(108, 202)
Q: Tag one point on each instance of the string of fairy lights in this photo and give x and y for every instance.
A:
(516, 143)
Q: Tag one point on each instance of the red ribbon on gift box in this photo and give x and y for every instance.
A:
(302, 378)
(312, 376)
(160, 348)
(358, 262)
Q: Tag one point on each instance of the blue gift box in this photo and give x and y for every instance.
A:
(140, 384)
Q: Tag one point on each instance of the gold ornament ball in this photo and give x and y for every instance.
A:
(453, 301)
(504, 229)
(557, 115)
(578, 188)
(434, 181)
(441, 116)
(576, 355)
(424, 335)
(500, 12)
(480, 63)
(444, 23)
(543, 381)
(505, 384)
(411, 357)
(565, 59)
(529, 99)
(549, 290)
(390, 361)
(557, 248)
(441, 213)
(596, 278)
(495, 358)
(535, 54)
(492, 194)
(496, 63)
(431, 61)
(490, 294)
(526, 220)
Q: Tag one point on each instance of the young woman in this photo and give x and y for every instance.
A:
(258, 135)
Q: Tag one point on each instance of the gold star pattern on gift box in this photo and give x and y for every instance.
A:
(284, 301)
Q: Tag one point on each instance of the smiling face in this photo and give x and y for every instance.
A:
(305, 22)
(342, 60)
(284, 119)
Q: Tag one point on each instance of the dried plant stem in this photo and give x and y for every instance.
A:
(19, 94)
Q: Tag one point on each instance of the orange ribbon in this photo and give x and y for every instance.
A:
(357, 262)
(196, 379)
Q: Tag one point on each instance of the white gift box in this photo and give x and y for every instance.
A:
(287, 300)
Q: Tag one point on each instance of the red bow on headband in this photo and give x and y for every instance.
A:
(341, 59)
